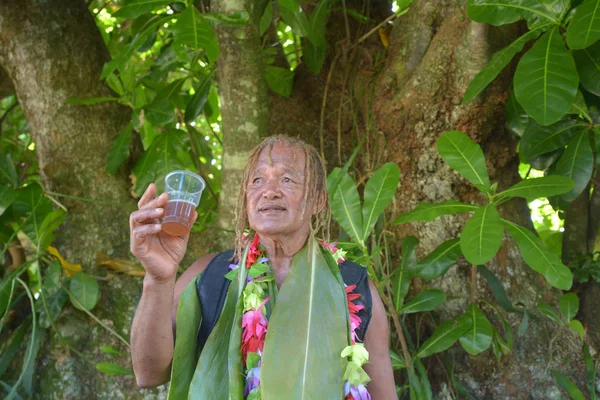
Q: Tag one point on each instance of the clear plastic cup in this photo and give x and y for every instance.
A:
(184, 189)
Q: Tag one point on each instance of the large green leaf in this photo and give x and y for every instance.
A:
(379, 191)
(7, 196)
(430, 211)
(539, 258)
(497, 289)
(160, 112)
(577, 163)
(405, 271)
(444, 336)
(185, 354)
(47, 230)
(567, 384)
(345, 207)
(120, 149)
(516, 117)
(426, 300)
(266, 19)
(31, 207)
(314, 57)
(497, 64)
(135, 8)
(481, 236)
(316, 23)
(479, 337)
(588, 66)
(211, 377)
(569, 305)
(192, 30)
(545, 186)
(584, 28)
(310, 313)
(546, 79)
(168, 152)
(84, 291)
(539, 139)
(439, 260)
(464, 156)
(280, 80)
(198, 100)
(501, 12)
(549, 312)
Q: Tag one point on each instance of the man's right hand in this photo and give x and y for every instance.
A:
(159, 252)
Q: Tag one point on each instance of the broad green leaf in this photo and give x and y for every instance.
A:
(171, 91)
(198, 100)
(430, 211)
(84, 291)
(516, 117)
(8, 173)
(584, 28)
(123, 58)
(546, 79)
(439, 260)
(568, 386)
(578, 328)
(588, 66)
(111, 350)
(314, 57)
(296, 19)
(135, 8)
(192, 30)
(31, 208)
(185, 354)
(539, 139)
(346, 209)
(211, 377)
(47, 230)
(497, 289)
(280, 80)
(168, 152)
(120, 149)
(267, 17)
(539, 258)
(379, 191)
(497, 64)
(444, 336)
(112, 369)
(405, 272)
(427, 300)
(577, 163)
(160, 112)
(7, 196)
(291, 5)
(481, 236)
(579, 107)
(464, 156)
(479, 337)
(569, 305)
(316, 23)
(502, 12)
(545, 12)
(545, 186)
(308, 315)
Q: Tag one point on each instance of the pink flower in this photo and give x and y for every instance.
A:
(360, 392)
(329, 246)
(254, 323)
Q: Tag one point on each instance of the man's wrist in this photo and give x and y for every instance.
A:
(153, 282)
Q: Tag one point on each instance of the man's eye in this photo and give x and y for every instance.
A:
(287, 180)
(256, 180)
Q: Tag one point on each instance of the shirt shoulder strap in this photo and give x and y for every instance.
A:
(356, 274)
(212, 289)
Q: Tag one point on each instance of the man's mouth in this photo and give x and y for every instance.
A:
(271, 208)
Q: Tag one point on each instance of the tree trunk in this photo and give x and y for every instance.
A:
(404, 96)
(52, 51)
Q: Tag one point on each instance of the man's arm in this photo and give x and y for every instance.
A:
(379, 368)
(152, 339)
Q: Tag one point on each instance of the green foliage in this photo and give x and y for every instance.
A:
(479, 336)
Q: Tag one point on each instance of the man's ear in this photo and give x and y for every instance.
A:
(320, 203)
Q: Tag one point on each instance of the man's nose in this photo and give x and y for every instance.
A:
(272, 189)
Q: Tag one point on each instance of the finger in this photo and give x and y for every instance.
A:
(145, 216)
(160, 201)
(143, 231)
(194, 217)
(148, 195)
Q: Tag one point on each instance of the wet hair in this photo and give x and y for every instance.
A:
(315, 188)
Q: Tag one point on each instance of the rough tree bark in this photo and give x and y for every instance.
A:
(405, 96)
(52, 51)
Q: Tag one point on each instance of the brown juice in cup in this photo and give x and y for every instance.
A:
(177, 219)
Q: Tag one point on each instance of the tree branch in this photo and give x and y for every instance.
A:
(593, 215)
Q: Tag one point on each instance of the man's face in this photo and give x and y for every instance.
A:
(274, 198)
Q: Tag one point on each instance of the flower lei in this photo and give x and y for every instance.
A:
(255, 324)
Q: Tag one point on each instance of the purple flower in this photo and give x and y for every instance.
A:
(360, 392)
(252, 380)
(346, 388)
(232, 266)
(263, 260)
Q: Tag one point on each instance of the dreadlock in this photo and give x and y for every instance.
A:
(315, 184)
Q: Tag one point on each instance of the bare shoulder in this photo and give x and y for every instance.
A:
(198, 266)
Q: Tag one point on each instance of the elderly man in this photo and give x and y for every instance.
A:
(282, 206)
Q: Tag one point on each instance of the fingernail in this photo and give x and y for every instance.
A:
(158, 210)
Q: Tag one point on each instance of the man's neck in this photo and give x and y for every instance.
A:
(280, 251)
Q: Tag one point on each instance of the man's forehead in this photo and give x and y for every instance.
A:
(289, 157)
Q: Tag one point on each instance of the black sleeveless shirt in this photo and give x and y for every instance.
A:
(212, 288)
